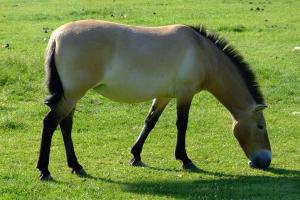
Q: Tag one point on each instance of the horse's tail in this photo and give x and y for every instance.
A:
(53, 81)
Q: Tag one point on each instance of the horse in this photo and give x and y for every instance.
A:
(135, 64)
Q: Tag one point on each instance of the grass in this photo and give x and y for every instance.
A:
(265, 32)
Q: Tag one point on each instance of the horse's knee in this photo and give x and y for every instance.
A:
(181, 124)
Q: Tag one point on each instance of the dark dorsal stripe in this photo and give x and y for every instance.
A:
(239, 62)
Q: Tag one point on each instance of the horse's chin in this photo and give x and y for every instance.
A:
(261, 160)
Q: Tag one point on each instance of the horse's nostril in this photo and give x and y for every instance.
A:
(259, 164)
(250, 163)
(262, 160)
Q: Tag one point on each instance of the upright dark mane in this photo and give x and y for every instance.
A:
(242, 66)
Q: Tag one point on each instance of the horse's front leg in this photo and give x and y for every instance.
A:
(157, 108)
(183, 108)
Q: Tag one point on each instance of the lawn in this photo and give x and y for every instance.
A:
(264, 31)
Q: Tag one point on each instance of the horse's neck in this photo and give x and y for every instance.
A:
(227, 85)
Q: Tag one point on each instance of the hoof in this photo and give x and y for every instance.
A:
(191, 167)
(47, 177)
(135, 163)
(80, 172)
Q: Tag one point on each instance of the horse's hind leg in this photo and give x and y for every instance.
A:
(57, 113)
(157, 108)
(66, 129)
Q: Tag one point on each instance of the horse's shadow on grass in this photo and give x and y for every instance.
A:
(286, 172)
(223, 186)
(217, 174)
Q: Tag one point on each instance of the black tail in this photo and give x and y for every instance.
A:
(52, 78)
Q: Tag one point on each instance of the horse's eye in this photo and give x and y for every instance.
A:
(259, 126)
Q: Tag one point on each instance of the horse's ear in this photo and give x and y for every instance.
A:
(260, 107)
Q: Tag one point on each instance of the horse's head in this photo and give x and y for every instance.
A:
(250, 130)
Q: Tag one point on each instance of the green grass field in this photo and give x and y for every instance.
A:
(264, 31)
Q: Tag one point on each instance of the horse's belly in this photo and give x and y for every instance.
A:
(133, 91)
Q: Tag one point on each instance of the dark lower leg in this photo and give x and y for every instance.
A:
(49, 125)
(153, 116)
(66, 128)
(150, 122)
(182, 121)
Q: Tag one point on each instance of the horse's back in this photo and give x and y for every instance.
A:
(124, 63)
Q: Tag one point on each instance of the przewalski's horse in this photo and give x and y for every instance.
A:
(136, 64)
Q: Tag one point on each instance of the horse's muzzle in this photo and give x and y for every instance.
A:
(261, 160)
